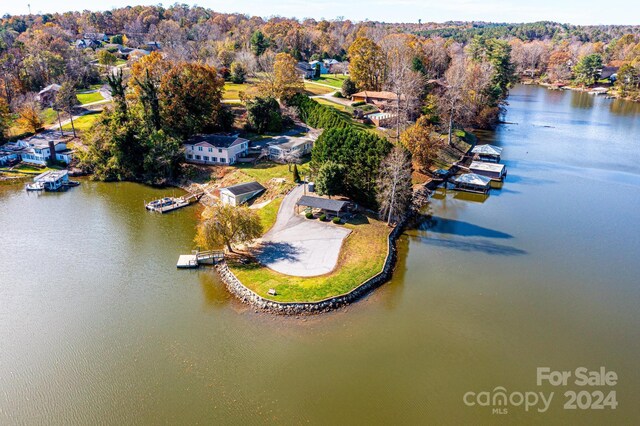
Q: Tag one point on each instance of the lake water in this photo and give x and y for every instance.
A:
(98, 326)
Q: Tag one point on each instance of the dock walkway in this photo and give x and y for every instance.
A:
(197, 258)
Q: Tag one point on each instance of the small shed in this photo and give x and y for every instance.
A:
(472, 182)
(334, 207)
(488, 152)
(238, 194)
(490, 170)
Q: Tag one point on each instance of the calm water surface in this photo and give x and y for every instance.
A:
(98, 326)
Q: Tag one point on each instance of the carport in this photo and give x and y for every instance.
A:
(334, 207)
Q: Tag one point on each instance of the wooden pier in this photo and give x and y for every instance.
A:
(197, 258)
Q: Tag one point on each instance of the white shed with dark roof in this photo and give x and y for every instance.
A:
(239, 194)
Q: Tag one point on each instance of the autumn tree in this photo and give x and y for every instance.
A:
(106, 58)
(423, 141)
(30, 114)
(348, 88)
(367, 64)
(66, 100)
(394, 185)
(227, 225)
(628, 79)
(191, 100)
(282, 80)
(238, 73)
(5, 118)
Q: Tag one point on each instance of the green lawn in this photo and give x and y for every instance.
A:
(28, 169)
(82, 123)
(264, 172)
(86, 98)
(269, 213)
(362, 256)
(331, 80)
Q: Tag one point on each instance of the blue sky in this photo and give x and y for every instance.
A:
(570, 11)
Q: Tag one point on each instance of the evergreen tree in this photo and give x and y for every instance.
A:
(296, 174)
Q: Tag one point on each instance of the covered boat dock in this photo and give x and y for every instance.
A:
(493, 171)
(472, 182)
(490, 153)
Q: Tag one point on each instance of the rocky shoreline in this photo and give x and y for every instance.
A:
(249, 297)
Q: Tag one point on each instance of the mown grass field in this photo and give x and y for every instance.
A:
(232, 90)
(265, 171)
(331, 80)
(269, 213)
(28, 169)
(362, 256)
(86, 98)
(82, 123)
(313, 89)
(339, 107)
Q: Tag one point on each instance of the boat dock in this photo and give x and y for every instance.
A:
(169, 204)
(197, 258)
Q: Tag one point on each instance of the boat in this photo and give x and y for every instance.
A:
(37, 186)
(167, 204)
(72, 183)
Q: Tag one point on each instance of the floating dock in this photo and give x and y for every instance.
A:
(197, 258)
(169, 204)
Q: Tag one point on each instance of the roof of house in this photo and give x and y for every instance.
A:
(244, 188)
(291, 143)
(304, 66)
(487, 150)
(473, 179)
(50, 87)
(488, 167)
(608, 71)
(321, 203)
(389, 96)
(215, 140)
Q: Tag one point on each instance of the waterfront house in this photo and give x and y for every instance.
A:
(39, 150)
(215, 149)
(472, 182)
(487, 152)
(291, 150)
(490, 170)
(239, 194)
(305, 69)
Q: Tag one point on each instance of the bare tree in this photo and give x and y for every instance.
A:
(394, 185)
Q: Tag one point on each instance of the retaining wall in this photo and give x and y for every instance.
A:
(301, 308)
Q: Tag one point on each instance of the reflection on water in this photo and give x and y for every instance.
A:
(99, 327)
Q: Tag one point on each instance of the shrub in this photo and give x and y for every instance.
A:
(357, 104)
(264, 115)
(323, 217)
(309, 215)
(336, 220)
(348, 88)
(317, 115)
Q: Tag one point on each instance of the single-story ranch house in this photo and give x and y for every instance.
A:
(215, 149)
(291, 150)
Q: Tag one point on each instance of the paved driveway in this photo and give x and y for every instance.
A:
(299, 246)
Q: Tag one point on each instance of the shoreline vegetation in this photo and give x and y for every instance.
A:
(422, 85)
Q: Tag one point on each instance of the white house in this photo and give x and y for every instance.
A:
(39, 151)
(238, 194)
(36, 150)
(290, 151)
(215, 149)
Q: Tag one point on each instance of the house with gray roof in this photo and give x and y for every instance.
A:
(215, 149)
(239, 194)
